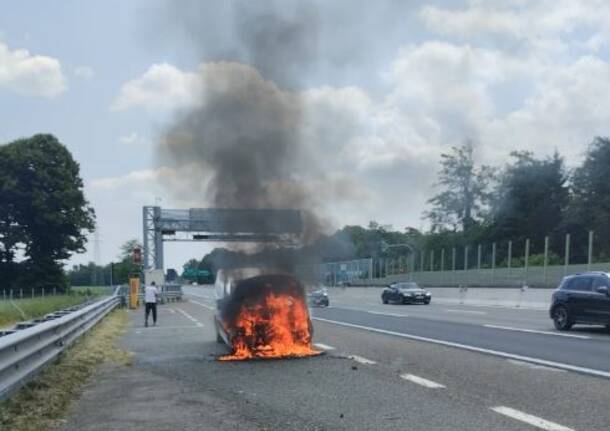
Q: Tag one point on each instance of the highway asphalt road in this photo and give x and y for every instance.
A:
(391, 367)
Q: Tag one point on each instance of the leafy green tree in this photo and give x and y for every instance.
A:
(531, 198)
(44, 215)
(124, 267)
(463, 195)
(590, 206)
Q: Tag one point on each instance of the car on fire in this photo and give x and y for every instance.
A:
(262, 313)
(318, 298)
(406, 292)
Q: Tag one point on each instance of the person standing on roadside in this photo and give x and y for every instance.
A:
(150, 303)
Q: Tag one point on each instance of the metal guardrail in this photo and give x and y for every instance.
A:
(25, 352)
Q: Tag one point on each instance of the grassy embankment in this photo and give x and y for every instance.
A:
(31, 308)
(42, 404)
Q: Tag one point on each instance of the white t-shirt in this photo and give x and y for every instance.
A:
(150, 294)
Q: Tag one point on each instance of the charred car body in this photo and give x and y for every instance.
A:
(262, 314)
(405, 293)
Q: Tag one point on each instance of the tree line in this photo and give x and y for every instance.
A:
(528, 197)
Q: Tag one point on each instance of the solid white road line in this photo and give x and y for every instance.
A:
(386, 314)
(465, 311)
(534, 366)
(361, 360)
(323, 346)
(421, 381)
(534, 331)
(583, 370)
(530, 419)
(209, 307)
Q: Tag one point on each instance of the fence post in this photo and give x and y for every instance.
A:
(42, 291)
(546, 257)
(431, 260)
(527, 256)
(566, 261)
(590, 251)
(4, 294)
(421, 263)
(510, 255)
(371, 269)
(493, 261)
(20, 293)
(479, 257)
(453, 259)
(465, 257)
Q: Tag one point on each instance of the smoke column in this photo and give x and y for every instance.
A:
(243, 137)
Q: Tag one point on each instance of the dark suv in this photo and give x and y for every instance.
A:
(582, 298)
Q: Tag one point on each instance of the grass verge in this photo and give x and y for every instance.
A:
(42, 403)
(36, 307)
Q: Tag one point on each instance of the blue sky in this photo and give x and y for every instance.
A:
(390, 86)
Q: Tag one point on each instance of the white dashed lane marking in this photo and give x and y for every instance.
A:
(534, 331)
(324, 346)
(530, 419)
(361, 360)
(209, 307)
(191, 318)
(465, 311)
(421, 381)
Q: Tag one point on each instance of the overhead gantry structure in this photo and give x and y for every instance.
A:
(214, 224)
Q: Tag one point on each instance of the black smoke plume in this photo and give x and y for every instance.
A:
(244, 134)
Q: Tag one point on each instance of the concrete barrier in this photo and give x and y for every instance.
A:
(529, 298)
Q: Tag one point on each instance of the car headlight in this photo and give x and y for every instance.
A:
(428, 294)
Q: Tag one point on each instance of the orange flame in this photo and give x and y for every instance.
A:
(278, 326)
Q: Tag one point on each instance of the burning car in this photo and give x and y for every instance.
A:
(262, 314)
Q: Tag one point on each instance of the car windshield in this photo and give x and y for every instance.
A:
(407, 286)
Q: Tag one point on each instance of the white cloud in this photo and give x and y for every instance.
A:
(545, 25)
(32, 75)
(84, 72)
(162, 87)
(134, 139)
